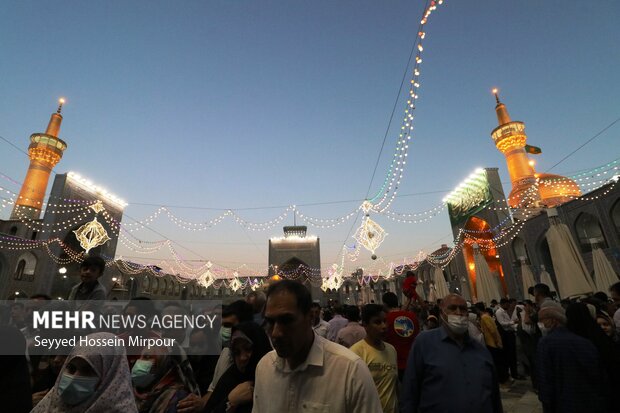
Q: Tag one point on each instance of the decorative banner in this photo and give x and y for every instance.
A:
(97, 207)
(235, 284)
(471, 196)
(206, 279)
(370, 234)
(91, 235)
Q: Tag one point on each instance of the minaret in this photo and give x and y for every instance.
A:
(510, 139)
(528, 187)
(45, 151)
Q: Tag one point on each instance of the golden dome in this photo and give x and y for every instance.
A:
(556, 190)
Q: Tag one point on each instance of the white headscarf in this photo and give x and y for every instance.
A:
(114, 393)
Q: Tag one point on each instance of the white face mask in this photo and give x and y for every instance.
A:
(457, 324)
(544, 330)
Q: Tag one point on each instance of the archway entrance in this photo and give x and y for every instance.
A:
(479, 232)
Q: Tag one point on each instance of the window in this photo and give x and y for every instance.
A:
(589, 231)
(19, 271)
(13, 231)
(34, 235)
(519, 248)
(26, 265)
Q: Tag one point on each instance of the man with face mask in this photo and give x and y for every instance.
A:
(237, 312)
(447, 371)
(568, 371)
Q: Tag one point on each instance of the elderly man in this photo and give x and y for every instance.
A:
(447, 371)
(306, 372)
(567, 366)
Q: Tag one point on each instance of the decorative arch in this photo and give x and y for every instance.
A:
(519, 248)
(545, 254)
(26, 265)
(292, 266)
(588, 227)
(146, 284)
(480, 231)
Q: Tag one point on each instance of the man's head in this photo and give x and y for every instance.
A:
(479, 308)
(236, 312)
(91, 269)
(138, 306)
(551, 315)
(512, 304)
(373, 319)
(338, 309)
(454, 314)
(504, 303)
(198, 340)
(352, 313)
(257, 300)
(18, 312)
(409, 274)
(288, 318)
(540, 292)
(172, 310)
(390, 300)
(232, 314)
(315, 310)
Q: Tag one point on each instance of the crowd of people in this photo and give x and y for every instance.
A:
(283, 352)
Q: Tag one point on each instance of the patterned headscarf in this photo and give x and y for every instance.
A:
(174, 381)
(114, 393)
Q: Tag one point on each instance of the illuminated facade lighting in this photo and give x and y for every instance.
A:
(97, 190)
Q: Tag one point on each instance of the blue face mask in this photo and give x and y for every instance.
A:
(73, 390)
(141, 375)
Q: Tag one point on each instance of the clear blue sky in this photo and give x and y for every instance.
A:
(237, 104)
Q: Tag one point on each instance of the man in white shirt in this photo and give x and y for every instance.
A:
(307, 373)
(318, 324)
(353, 331)
(336, 323)
(508, 333)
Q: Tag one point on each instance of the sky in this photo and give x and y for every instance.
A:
(211, 105)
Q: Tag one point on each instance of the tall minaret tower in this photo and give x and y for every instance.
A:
(528, 187)
(510, 139)
(45, 151)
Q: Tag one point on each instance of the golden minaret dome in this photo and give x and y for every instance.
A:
(528, 187)
(45, 151)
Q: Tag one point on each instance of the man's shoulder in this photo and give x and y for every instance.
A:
(393, 315)
(266, 361)
(429, 335)
(561, 336)
(389, 348)
(358, 347)
(334, 350)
